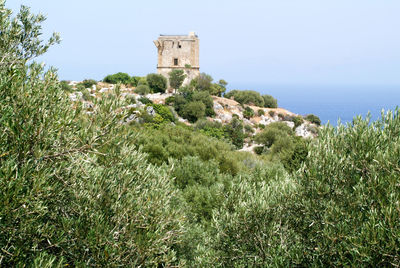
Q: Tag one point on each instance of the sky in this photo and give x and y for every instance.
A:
(253, 42)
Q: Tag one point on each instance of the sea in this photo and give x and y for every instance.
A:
(333, 103)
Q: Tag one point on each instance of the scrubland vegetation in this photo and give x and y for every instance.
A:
(81, 189)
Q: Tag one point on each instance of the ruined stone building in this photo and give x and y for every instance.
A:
(178, 52)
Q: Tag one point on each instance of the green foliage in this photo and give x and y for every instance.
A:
(20, 42)
(142, 90)
(145, 100)
(69, 180)
(271, 113)
(176, 78)
(279, 142)
(130, 99)
(122, 78)
(85, 190)
(157, 83)
(235, 132)
(246, 97)
(176, 142)
(270, 102)
(249, 129)
(65, 86)
(170, 100)
(86, 95)
(349, 195)
(249, 227)
(194, 110)
(313, 119)
(164, 112)
(203, 82)
(211, 129)
(206, 99)
(260, 112)
(88, 83)
(297, 120)
(248, 112)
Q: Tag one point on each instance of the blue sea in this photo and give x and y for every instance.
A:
(332, 103)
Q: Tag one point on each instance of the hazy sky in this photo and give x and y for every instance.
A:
(309, 42)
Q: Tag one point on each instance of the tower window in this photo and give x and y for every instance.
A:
(176, 61)
(179, 45)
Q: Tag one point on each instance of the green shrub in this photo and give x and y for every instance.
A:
(193, 111)
(206, 99)
(157, 83)
(249, 228)
(248, 128)
(86, 95)
(170, 100)
(297, 120)
(270, 102)
(234, 131)
(122, 78)
(203, 82)
(211, 129)
(142, 90)
(164, 112)
(313, 119)
(176, 78)
(246, 97)
(68, 180)
(349, 195)
(130, 99)
(271, 113)
(88, 83)
(248, 112)
(145, 100)
(260, 112)
(65, 86)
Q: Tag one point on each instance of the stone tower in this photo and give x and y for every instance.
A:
(178, 52)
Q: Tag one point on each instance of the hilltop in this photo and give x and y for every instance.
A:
(224, 109)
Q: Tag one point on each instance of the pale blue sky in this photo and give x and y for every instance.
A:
(308, 42)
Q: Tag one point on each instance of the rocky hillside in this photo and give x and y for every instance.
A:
(225, 109)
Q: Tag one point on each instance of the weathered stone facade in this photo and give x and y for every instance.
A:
(178, 52)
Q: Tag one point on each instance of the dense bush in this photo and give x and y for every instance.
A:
(65, 86)
(269, 101)
(279, 142)
(157, 83)
(260, 112)
(142, 90)
(88, 83)
(193, 111)
(349, 195)
(246, 97)
(85, 190)
(211, 129)
(164, 112)
(122, 78)
(75, 192)
(202, 83)
(313, 119)
(145, 100)
(176, 78)
(248, 112)
(235, 132)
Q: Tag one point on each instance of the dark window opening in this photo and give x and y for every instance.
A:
(179, 45)
(175, 62)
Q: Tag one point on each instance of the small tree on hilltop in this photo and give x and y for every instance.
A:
(176, 78)
(202, 83)
(157, 82)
